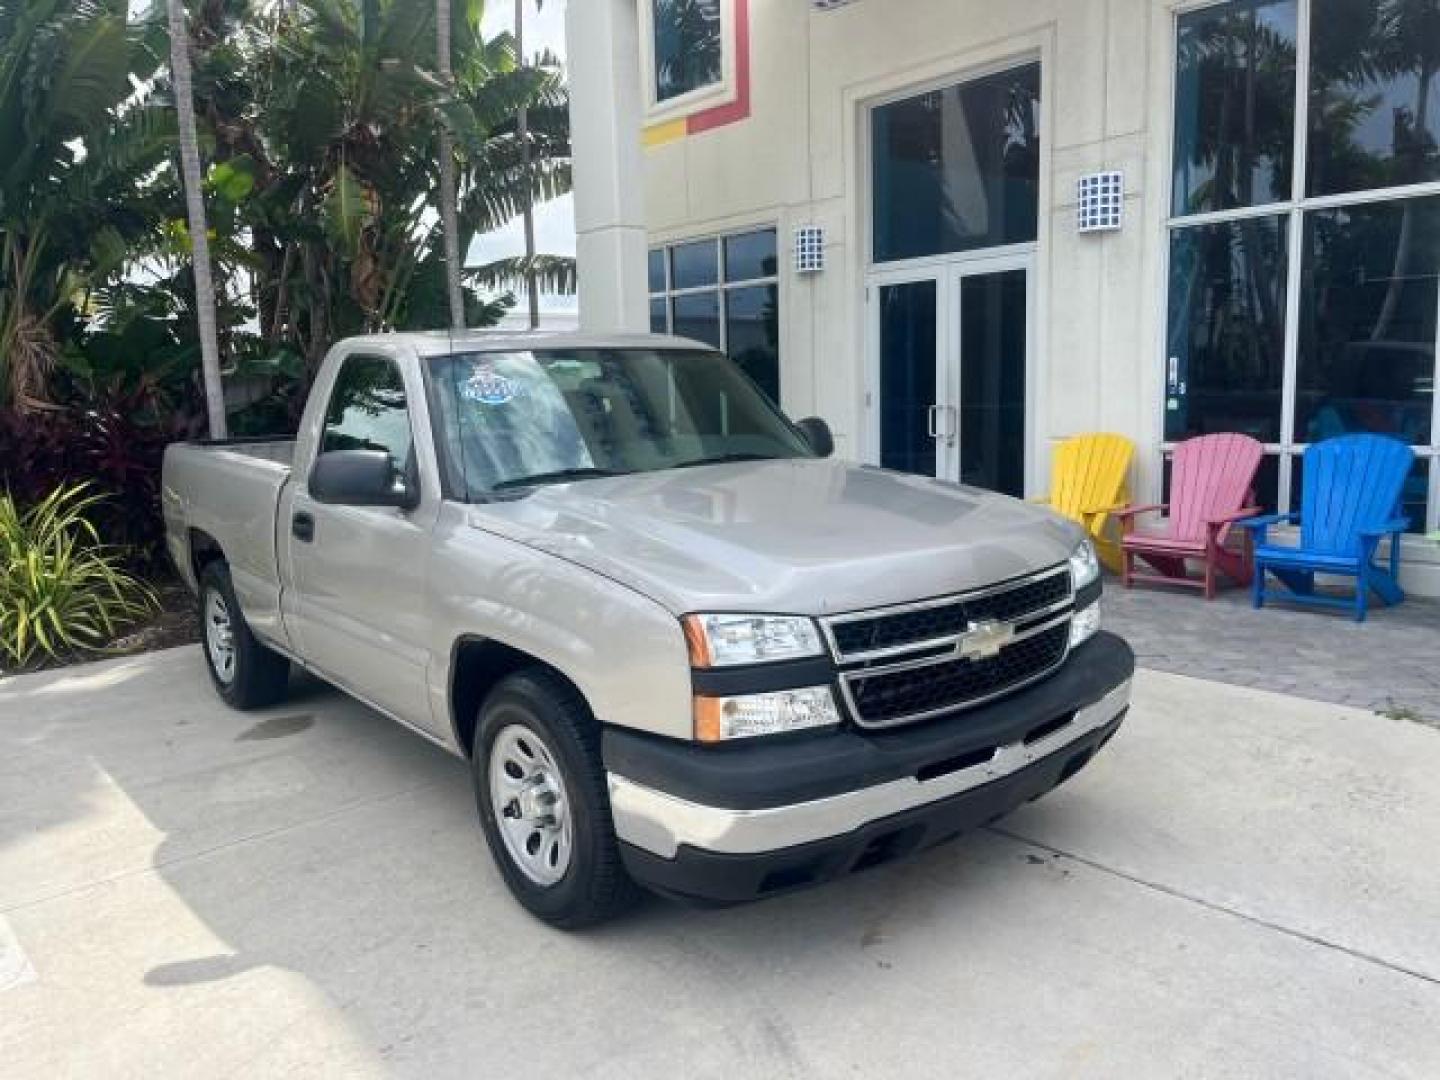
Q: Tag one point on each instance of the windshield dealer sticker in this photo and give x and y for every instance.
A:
(486, 386)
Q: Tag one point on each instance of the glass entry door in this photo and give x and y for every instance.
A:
(949, 372)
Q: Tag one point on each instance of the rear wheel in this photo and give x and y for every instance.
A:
(246, 674)
(541, 792)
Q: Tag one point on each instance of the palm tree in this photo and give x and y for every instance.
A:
(67, 218)
(449, 219)
(522, 124)
(195, 214)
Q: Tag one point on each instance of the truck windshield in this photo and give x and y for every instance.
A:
(518, 419)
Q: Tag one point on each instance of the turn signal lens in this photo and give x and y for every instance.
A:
(720, 719)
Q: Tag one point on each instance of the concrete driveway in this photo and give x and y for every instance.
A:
(1242, 885)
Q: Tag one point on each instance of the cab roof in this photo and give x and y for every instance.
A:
(445, 343)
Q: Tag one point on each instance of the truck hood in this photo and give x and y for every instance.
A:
(800, 536)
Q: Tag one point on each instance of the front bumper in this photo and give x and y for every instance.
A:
(733, 824)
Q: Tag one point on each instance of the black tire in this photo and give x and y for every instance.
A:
(259, 676)
(595, 886)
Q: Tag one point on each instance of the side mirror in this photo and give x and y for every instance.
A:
(817, 433)
(359, 478)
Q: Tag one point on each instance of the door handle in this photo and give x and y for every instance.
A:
(933, 421)
(303, 526)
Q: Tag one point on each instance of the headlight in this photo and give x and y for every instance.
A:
(728, 640)
(1084, 565)
(1085, 624)
(719, 719)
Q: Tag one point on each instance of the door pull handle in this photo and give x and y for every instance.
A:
(303, 526)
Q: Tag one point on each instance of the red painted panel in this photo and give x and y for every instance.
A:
(739, 109)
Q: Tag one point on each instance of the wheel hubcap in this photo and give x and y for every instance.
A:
(220, 637)
(532, 812)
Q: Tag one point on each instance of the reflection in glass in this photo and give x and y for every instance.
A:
(1226, 335)
(1374, 94)
(992, 381)
(656, 267)
(367, 410)
(697, 316)
(752, 328)
(750, 255)
(1367, 320)
(687, 46)
(958, 169)
(907, 376)
(657, 316)
(694, 266)
(1413, 495)
(1234, 106)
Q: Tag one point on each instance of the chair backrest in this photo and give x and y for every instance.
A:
(1349, 483)
(1089, 471)
(1211, 477)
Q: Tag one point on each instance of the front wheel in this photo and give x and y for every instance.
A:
(540, 788)
(246, 674)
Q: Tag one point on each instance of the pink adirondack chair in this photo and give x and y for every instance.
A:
(1210, 489)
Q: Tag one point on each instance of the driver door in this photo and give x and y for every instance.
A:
(360, 572)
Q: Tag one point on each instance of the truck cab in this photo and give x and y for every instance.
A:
(679, 643)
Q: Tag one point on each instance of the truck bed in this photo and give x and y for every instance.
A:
(228, 492)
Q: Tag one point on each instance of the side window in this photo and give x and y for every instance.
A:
(368, 411)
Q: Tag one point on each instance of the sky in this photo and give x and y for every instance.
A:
(555, 220)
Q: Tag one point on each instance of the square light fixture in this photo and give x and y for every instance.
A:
(809, 249)
(1100, 202)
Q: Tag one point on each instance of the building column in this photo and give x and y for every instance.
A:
(602, 41)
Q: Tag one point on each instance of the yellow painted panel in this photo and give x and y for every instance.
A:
(659, 134)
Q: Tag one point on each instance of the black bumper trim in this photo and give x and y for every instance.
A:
(714, 878)
(770, 773)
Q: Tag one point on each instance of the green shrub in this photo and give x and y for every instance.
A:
(62, 591)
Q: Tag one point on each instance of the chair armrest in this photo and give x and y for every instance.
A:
(1267, 520)
(1132, 511)
(1105, 508)
(1239, 517)
(1394, 525)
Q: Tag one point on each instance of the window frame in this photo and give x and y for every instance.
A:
(1294, 210)
(724, 92)
(723, 285)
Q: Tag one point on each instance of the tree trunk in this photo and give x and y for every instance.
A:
(449, 218)
(522, 122)
(195, 211)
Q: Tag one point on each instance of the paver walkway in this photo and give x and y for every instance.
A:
(1390, 663)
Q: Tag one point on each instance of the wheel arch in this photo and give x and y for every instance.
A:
(477, 665)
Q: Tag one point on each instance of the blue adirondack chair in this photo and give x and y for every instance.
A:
(1351, 502)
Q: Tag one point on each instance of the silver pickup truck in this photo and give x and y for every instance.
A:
(679, 643)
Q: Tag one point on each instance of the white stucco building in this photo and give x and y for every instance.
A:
(1274, 268)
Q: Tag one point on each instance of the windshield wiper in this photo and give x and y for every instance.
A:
(560, 476)
(723, 459)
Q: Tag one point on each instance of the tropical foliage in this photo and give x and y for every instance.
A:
(62, 591)
(319, 125)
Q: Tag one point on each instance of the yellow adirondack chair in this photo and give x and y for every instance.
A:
(1088, 484)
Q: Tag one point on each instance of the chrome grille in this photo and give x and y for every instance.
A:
(908, 663)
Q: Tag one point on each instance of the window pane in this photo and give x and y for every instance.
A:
(1234, 106)
(753, 334)
(750, 255)
(367, 410)
(1374, 94)
(657, 270)
(907, 376)
(958, 169)
(697, 317)
(1367, 321)
(1413, 496)
(657, 316)
(687, 46)
(1226, 329)
(693, 266)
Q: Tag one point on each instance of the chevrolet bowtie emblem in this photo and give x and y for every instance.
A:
(985, 638)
